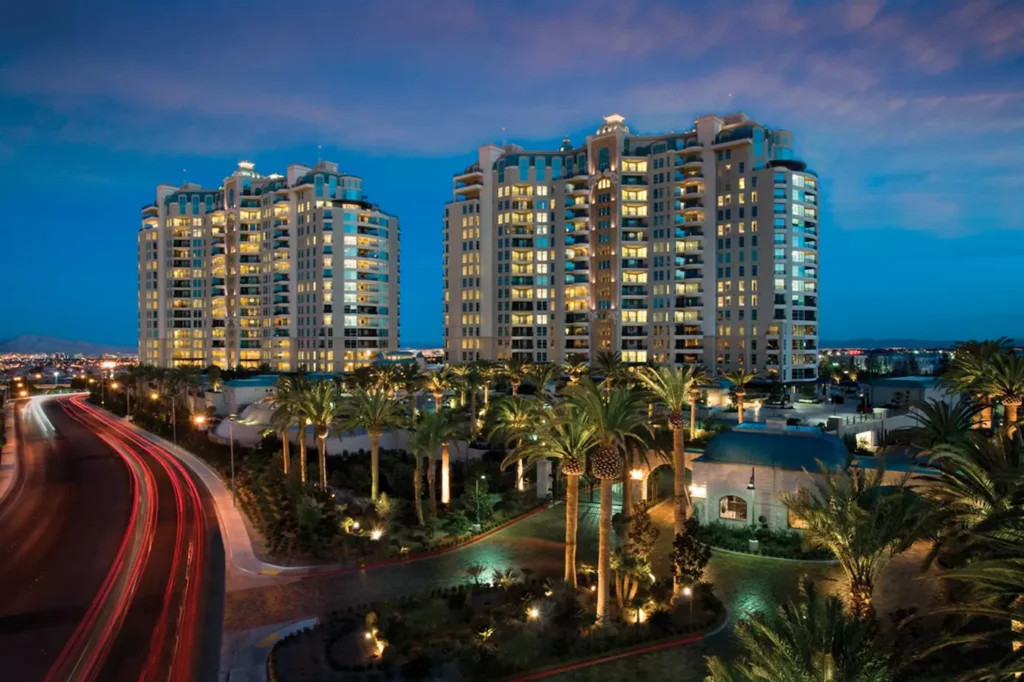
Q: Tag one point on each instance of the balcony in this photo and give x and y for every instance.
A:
(633, 290)
(583, 278)
(688, 330)
(634, 222)
(634, 263)
(689, 302)
(681, 275)
(683, 232)
(634, 180)
(682, 261)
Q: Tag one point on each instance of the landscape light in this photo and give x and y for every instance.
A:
(154, 395)
(23, 394)
(687, 592)
(376, 534)
(533, 613)
(199, 419)
(637, 474)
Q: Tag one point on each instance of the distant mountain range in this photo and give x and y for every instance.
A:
(28, 344)
(892, 343)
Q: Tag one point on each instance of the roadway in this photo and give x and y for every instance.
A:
(111, 566)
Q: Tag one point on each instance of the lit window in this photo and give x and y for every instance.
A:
(732, 508)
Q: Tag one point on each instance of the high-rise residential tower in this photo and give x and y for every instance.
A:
(290, 272)
(682, 247)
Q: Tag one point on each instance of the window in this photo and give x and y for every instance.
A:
(732, 508)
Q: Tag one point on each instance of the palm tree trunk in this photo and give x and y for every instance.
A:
(680, 491)
(302, 454)
(321, 448)
(285, 455)
(860, 597)
(1011, 407)
(412, 406)
(693, 417)
(374, 464)
(487, 394)
(437, 402)
(431, 485)
(520, 479)
(739, 407)
(986, 413)
(604, 552)
(472, 415)
(446, 492)
(572, 513)
(417, 488)
(515, 388)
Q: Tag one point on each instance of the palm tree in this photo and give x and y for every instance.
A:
(437, 383)
(411, 379)
(432, 432)
(618, 419)
(863, 522)
(515, 370)
(978, 482)
(460, 373)
(425, 442)
(287, 404)
(811, 638)
(377, 412)
(939, 423)
(473, 381)
(1004, 381)
(322, 405)
(575, 371)
(512, 420)
(488, 372)
(568, 437)
(970, 367)
(443, 428)
(740, 377)
(611, 368)
(673, 386)
(541, 374)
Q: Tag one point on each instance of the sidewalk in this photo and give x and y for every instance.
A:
(9, 455)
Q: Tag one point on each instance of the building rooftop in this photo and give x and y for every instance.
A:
(792, 448)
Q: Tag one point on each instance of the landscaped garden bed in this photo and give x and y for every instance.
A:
(770, 543)
(482, 630)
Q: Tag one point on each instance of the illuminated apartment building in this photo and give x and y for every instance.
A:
(696, 246)
(296, 271)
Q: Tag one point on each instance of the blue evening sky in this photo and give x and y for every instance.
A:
(911, 111)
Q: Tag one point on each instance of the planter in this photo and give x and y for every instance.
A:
(753, 545)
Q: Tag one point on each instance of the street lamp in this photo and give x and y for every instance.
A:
(688, 593)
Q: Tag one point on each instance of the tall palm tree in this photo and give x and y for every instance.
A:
(445, 428)
(810, 638)
(513, 419)
(412, 379)
(460, 373)
(541, 374)
(287, 404)
(515, 370)
(568, 437)
(1004, 381)
(430, 434)
(940, 423)
(618, 418)
(473, 381)
(438, 383)
(376, 411)
(488, 373)
(425, 442)
(673, 386)
(322, 405)
(969, 368)
(863, 522)
(609, 365)
(740, 377)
